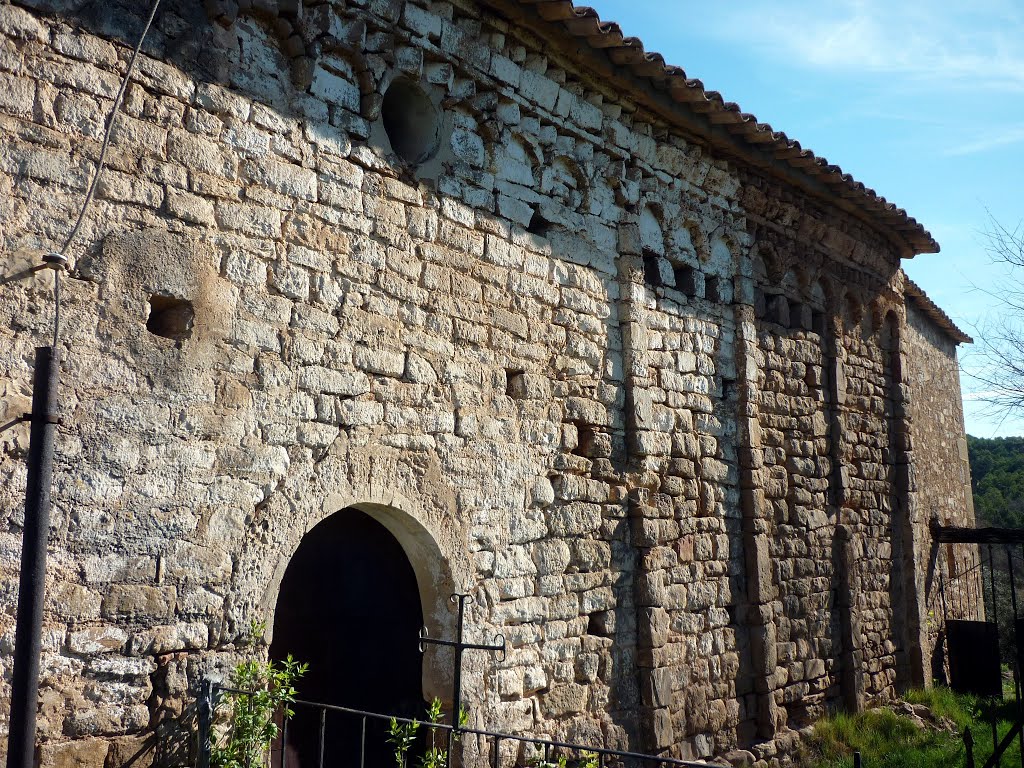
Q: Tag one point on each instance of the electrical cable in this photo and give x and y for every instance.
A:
(109, 130)
(60, 260)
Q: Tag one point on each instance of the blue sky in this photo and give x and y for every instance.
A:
(923, 101)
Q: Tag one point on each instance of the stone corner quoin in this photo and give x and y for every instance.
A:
(456, 287)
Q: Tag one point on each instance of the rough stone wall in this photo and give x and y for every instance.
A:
(943, 479)
(545, 359)
(867, 416)
(793, 428)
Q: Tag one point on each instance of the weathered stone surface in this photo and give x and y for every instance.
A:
(93, 640)
(80, 753)
(139, 602)
(580, 366)
(565, 700)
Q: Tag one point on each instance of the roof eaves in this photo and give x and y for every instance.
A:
(584, 23)
(916, 293)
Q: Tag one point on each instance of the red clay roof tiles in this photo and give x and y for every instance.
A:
(584, 23)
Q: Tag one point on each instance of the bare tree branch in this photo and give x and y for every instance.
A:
(998, 356)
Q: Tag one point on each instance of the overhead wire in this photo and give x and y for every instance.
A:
(61, 257)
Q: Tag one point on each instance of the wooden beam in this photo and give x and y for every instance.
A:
(951, 534)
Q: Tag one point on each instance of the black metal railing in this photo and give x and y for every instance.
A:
(489, 747)
(999, 745)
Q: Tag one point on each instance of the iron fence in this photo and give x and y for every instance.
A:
(493, 748)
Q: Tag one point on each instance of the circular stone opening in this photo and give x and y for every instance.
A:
(411, 122)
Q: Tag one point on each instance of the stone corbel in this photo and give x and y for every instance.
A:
(304, 33)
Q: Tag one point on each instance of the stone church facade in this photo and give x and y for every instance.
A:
(638, 373)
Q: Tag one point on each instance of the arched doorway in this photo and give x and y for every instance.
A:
(349, 606)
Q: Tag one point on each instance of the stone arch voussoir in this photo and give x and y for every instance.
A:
(429, 536)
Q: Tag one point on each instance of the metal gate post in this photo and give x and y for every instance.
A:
(1016, 640)
(992, 581)
(21, 738)
(995, 737)
(205, 725)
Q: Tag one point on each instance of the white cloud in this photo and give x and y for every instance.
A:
(940, 43)
(1013, 135)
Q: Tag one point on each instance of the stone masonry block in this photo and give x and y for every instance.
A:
(384, 362)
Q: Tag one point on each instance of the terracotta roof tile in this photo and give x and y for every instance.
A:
(583, 22)
(916, 293)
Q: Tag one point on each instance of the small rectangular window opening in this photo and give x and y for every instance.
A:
(686, 279)
(652, 270)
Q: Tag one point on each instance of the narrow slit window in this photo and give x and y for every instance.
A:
(652, 269)
(686, 279)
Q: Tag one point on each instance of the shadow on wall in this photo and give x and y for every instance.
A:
(182, 34)
(272, 54)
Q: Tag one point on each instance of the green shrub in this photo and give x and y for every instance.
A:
(244, 726)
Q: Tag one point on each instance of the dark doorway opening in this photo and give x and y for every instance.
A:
(349, 606)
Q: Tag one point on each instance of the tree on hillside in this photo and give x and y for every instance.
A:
(997, 479)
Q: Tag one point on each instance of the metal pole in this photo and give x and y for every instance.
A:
(995, 735)
(457, 694)
(992, 581)
(206, 705)
(1013, 586)
(1016, 640)
(856, 760)
(942, 595)
(320, 743)
(32, 585)
(457, 698)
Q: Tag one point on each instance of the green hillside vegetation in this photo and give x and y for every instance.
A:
(997, 479)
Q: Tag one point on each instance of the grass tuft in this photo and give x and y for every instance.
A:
(888, 739)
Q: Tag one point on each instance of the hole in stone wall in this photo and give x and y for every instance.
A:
(601, 623)
(539, 225)
(728, 388)
(585, 436)
(818, 323)
(760, 304)
(686, 279)
(514, 383)
(777, 310)
(652, 270)
(796, 316)
(411, 122)
(713, 289)
(170, 317)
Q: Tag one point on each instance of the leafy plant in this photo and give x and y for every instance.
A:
(401, 737)
(245, 722)
(586, 759)
(434, 757)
